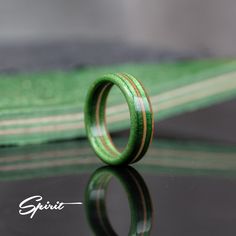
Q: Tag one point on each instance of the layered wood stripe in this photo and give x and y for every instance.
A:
(144, 137)
(141, 119)
(68, 122)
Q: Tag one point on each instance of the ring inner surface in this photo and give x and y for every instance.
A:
(100, 131)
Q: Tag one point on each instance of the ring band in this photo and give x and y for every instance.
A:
(141, 119)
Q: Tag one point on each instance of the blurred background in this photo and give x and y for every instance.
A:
(74, 34)
(206, 27)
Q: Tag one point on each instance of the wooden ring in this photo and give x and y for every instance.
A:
(141, 119)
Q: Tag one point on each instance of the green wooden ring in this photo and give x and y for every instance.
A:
(141, 119)
(138, 197)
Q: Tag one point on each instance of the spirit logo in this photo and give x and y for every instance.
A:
(31, 205)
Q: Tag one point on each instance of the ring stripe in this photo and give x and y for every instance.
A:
(143, 116)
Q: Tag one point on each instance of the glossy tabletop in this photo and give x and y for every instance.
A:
(175, 190)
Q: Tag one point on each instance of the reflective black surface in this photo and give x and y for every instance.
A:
(189, 192)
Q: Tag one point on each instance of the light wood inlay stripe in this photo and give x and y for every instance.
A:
(139, 96)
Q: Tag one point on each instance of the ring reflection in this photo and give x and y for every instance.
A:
(138, 197)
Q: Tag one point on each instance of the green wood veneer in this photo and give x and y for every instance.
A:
(46, 106)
